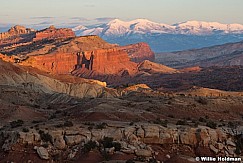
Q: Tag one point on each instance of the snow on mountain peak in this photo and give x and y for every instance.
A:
(80, 27)
(118, 27)
(195, 27)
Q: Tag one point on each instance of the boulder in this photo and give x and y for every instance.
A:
(222, 136)
(151, 131)
(215, 150)
(129, 131)
(115, 133)
(213, 135)
(110, 150)
(143, 153)
(189, 137)
(229, 142)
(59, 142)
(27, 137)
(133, 139)
(220, 146)
(42, 152)
(204, 136)
(140, 133)
(127, 151)
(74, 139)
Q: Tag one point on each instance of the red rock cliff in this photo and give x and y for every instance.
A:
(53, 33)
(103, 61)
(57, 63)
(139, 52)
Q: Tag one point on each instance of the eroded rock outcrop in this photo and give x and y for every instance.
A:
(103, 61)
(12, 75)
(16, 35)
(139, 52)
(136, 140)
(16, 30)
(20, 36)
(54, 33)
(151, 67)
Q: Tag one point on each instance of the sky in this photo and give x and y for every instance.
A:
(70, 13)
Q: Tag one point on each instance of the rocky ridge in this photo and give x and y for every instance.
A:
(26, 77)
(138, 140)
(222, 55)
(16, 30)
(54, 33)
(139, 52)
(19, 36)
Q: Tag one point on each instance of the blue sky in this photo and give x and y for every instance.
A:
(38, 13)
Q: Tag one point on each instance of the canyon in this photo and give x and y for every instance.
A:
(81, 99)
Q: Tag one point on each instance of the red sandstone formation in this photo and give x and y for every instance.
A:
(139, 52)
(16, 35)
(57, 63)
(82, 56)
(53, 33)
(15, 31)
(102, 61)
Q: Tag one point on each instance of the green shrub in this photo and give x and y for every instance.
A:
(108, 142)
(196, 124)
(36, 121)
(161, 122)
(53, 116)
(105, 156)
(131, 123)
(233, 124)
(68, 124)
(101, 126)
(201, 119)
(181, 122)
(46, 137)
(171, 116)
(25, 130)
(17, 123)
(211, 124)
(45, 145)
(202, 100)
(239, 144)
(89, 146)
(130, 161)
(117, 146)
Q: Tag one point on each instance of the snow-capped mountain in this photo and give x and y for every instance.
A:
(200, 27)
(164, 37)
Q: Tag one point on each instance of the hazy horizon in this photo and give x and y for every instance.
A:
(39, 14)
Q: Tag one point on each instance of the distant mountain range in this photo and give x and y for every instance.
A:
(230, 54)
(163, 37)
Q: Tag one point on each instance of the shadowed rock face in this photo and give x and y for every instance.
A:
(16, 30)
(230, 54)
(139, 52)
(16, 35)
(19, 35)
